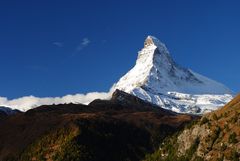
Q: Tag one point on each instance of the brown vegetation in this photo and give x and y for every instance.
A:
(118, 129)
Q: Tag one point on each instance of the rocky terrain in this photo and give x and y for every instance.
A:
(215, 137)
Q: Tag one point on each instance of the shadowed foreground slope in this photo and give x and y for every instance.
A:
(123, 128)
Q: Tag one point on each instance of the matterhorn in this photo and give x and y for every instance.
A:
(158, 79)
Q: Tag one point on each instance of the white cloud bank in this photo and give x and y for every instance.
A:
(29, 102)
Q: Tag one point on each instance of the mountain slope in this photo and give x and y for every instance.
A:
(158, 79)
(213, 138)
(123, 128)
(6, 111)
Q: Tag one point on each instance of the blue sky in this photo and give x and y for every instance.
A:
(59, 47)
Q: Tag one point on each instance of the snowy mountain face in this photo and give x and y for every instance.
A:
(156, 78)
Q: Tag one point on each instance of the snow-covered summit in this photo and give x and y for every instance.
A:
(158, 79)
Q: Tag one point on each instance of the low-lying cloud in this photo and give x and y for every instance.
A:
(29, 102)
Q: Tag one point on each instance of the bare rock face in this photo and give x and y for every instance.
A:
(148, 42)
(214, 137)
(186, 139)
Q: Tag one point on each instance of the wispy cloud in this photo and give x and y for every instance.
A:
(58, 44)
(29, 102)
(85, 42)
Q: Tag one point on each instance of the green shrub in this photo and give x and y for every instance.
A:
(42, 149)
(197, 158)
(204, 121)
(221, 158)
(235, 156)
(223, 147)
(191, 124)
(226, 127)
(215, 117)
(225, 114)
(234, 118)
(232, 138)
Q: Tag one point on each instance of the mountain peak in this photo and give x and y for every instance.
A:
(155, 50)
(158, 79)
(152, 41)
